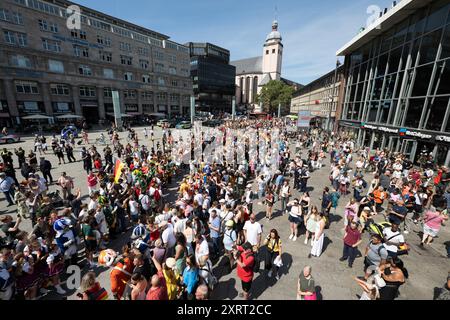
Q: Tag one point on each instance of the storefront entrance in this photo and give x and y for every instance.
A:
(409, 148)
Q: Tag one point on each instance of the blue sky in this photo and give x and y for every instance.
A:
(312, 31)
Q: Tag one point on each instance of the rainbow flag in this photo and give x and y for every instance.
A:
(118, 170)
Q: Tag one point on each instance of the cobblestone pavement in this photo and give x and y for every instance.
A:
(334, 280)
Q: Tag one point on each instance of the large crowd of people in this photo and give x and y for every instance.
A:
(163, 246)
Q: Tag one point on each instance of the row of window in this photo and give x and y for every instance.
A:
(62, 12)
(11, 16)
(29, 87)
(58, 67)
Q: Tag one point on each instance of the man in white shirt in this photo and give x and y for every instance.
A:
(249, 198)
(199, 198)
(145, 202)
(253, 231)
(201, 248)
(168, 237)
(393, 239)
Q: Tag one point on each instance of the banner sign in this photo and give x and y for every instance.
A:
(304, 119)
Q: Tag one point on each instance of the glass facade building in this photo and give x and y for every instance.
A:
(213, 77)
(397, 83)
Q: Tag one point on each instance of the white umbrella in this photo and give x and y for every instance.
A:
(37, 117)
(69, 116)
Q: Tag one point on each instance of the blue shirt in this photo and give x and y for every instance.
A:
(216, 224)
(5, 184)
(279, 180)
(190, 278)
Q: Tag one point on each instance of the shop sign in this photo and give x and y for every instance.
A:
(418, 134)
(388, 130)
(443, 138)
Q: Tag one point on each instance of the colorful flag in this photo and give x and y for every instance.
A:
(118, 170)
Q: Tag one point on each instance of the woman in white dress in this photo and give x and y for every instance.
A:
(319, 236)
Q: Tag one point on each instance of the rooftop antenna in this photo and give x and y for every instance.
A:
(276, 12)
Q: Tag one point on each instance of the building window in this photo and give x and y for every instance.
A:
(83, 35)
(174, 97)
(172, 59)
(17, 18)
(161, 96)
(27, 87)
(51, 45)
(106, 41)
(172, 70)
(184, 72)
(159, 67)
(161, 81)
(146, 78)
(147, 95)
(158, 55)
(107, 92)
(126, 60)
(267, 51)
(143, 51)
(10, 37)
(108, 73)
(55, 66)
(125, 46)
(80, 51)
(105, 56)
(20, 61)
(144, 64)
(4, 15)
(15, 38)
(48, 26)
(128, 76)
(174, 83)
(273, 50)
(59, 89)
(129, 94)
(85, 71)
(87, 91)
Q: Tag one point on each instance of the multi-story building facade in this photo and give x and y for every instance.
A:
(212, 77)
(48, 68)
(397, 81)
(318, 98)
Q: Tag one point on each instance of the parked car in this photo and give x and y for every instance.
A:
(212, 123)
(10, 138)
(184, 125)
(166, 123)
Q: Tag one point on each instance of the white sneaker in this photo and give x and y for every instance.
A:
(306, 241)
(270, 274)
(291, 236)
(277, 277)
(406, 232)
(294, 239)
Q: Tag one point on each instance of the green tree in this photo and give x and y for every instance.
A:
(273, 93)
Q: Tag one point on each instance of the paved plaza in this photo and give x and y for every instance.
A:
(427, 268)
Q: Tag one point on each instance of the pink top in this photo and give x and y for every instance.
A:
(433, 220)
(351, 210)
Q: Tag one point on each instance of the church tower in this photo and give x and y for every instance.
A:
(273, 54)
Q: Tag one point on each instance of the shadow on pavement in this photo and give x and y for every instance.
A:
(225, 290)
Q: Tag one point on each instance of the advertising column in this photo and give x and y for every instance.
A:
(117, 111)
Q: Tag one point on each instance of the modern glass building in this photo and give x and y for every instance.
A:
(397, 81)
(213, 77)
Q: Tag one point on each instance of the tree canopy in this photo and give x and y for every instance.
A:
(273, 93)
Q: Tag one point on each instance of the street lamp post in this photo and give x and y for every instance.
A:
(338, 63)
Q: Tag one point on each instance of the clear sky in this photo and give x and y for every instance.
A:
(312, 30)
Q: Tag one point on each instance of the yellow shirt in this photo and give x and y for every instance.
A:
(274, 245)
(171, 283)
